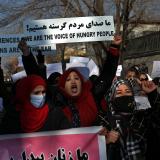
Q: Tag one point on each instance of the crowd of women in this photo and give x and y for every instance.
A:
(69, 101)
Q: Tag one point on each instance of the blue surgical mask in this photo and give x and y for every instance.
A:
(37, 100)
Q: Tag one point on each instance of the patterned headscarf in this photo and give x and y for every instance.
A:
(111, 93)
(131, 145)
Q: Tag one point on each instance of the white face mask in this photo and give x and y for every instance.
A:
(37, 100)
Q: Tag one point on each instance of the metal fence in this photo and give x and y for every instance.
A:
(147, 45)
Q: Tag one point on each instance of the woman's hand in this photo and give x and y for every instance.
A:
(117, 40)
(111, 136)
(23, 47)
(148, 86)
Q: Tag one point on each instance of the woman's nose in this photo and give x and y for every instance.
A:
(123, 93)
(73, 80)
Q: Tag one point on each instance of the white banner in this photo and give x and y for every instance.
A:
(68, 30)
(9, 45)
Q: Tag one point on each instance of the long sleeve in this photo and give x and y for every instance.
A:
(154, 98)
(107, 75)
(153, 132)
(31, 66)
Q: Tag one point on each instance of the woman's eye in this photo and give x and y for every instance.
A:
(128, 91)
(68, 79)
(118, 93)
(77, 78)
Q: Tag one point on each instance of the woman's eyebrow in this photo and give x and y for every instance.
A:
(38, 91)
(119, 91)
(128, 90)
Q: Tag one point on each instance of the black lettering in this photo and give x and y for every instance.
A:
(105, 33)
(38, 38)
(9, 40)
(3, 50)
(61, 36)
(28, 38)
(83, 156)
(13, 50)
(85, 34)
(45, 48)
(48, 37)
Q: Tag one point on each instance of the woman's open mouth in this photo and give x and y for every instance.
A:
(74, 88)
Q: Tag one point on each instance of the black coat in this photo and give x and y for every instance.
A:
(153, 132)
(56, 120)
(32, 67)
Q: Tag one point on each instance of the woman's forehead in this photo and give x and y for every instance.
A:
(39, 87)
(122, 86)
(73, 73)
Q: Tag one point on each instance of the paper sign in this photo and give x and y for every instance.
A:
(156, 69)
(18, 76)
(142, 102)
(93, 68)
(55, 145)
(81, 67)
(75, 64)
(76, 59)
(149, 77)
(54, 67)
(20, 63)
(69, 30)
(119, 70)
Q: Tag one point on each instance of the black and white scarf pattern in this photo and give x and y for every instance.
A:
(131, 143)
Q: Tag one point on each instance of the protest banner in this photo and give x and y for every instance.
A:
(9, 45)
(69, 30)
(71, 144)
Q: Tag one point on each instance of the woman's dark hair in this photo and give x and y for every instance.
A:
(53, 78)
(135, 69)
(93, 78)
(156, 80)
